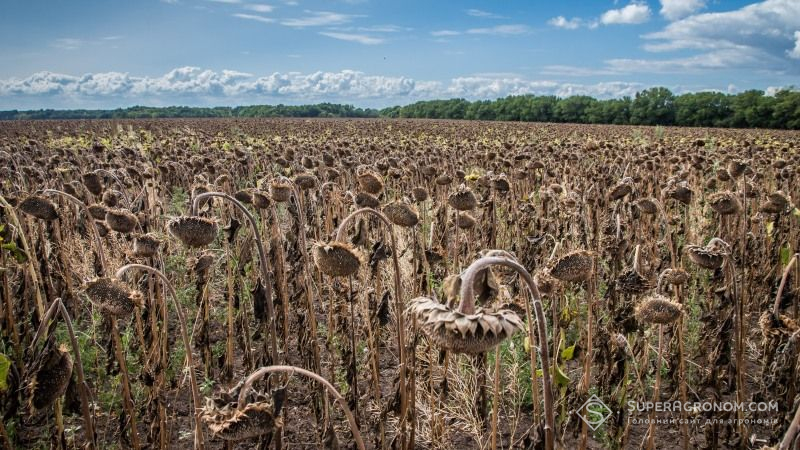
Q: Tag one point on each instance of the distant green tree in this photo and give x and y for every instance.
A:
(654, 106)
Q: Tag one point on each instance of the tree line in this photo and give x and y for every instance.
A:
(655, 106)
(149, 112)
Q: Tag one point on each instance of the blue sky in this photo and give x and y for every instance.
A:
(114, 53)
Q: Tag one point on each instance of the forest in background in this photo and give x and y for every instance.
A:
(654, 106)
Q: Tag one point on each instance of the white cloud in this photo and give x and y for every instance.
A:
(318, 19)
(230, 2)
(68, 43)
(193, 85)
(795, 52)
(384, 29)
(254, 17)
(353, 37)
(258, 7)
(483, 14)
(500, 30)
(759, 35)
(444, 33)
(633, 13)
(678, 9)
(563, 22)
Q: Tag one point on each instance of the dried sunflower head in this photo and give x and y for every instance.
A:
(675, 276)
(574, 267)
(657, 309)
(305, 181)
(39, 207)
(725, 203)
(464, 333)
(227, 422)
(711, 256)
(623, 188)
(279, 191)
(50, 375)
(98, 211)
(261, 199)
(145, 246)
(370, 182)
(678, 190)
(420, 194)
(113, 296)
(193, 231)
(465, 221)
(632, 282)
(463, 199)
(93, 183)
(337, 259)
(365, 200)
(121, 220)
(648, 205)
(401, 213)
(243, 196)
(546, 283)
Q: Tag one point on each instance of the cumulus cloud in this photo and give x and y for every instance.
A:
(563, 22)
(353, 37)
(193, 85)
(757, 35)
(633, 13)
(677, 9)
(761, 36)
(795, 52)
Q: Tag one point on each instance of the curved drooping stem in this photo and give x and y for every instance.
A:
(29, 263)
(119, 182)
(777, 306)
(95, 234)
(199, 439)
(467, 306)
(262, 258)
(291, 370)
(401, 333)
(794, 426)
(58, 307)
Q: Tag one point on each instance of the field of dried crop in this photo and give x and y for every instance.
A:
(397, 284)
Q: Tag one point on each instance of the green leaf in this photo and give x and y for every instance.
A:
(770, 227)
(786, 255)
(19, 255)
(559, 376)
(796, 212)
(568, 353)
(5, 366)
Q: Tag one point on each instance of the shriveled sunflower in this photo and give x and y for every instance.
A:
(49, 377)
(193, 231)
(574, 267)
(228, 422)
(113, 296)
(464, 333)
(711, 256)
(657, 309)
(337, 259)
